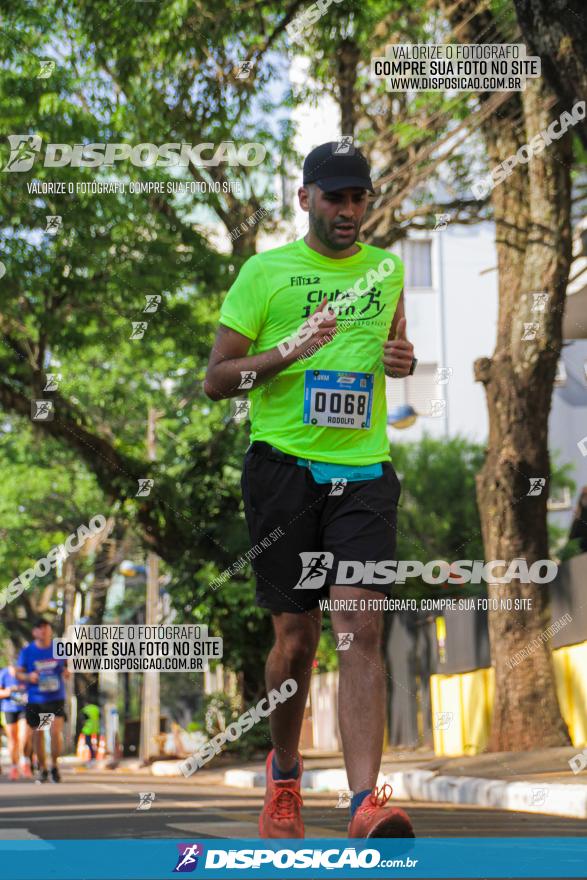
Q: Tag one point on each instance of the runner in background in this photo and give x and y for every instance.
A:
(91, 728)
(319, 466)
(13, 700)
(44, 676)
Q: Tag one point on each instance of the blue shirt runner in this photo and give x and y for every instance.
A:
(50, 685)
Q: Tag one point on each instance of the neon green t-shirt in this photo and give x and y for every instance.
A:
(92, 713)
(274, 294)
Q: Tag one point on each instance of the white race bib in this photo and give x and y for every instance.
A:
(48, 682)
(334, 399)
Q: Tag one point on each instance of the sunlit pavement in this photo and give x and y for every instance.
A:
(97, 805)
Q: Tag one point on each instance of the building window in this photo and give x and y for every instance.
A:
(417, 257)
(421, 391)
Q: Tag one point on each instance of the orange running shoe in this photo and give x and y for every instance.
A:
(25, 770)
(281, 815)
(14, 774)
(374, 819)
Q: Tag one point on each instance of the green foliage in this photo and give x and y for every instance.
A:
(69, 300)
(569, 549)
(219, 710)
(326, 656)
(47, 494)
(560, 478)
(437, 515)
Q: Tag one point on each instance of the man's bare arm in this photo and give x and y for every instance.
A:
(23, 675)
(229, 358)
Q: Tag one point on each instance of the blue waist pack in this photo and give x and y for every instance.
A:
(325, 471)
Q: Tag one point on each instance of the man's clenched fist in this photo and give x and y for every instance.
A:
(398, 353)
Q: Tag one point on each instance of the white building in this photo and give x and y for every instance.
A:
(451, 311)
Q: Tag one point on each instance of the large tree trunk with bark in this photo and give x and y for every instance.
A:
(556, 30)
(532, 215)
(533, 239)
(348, 55)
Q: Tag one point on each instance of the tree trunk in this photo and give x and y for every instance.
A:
(532, 215)
(533, 239)
(557, 32)
(347, 58)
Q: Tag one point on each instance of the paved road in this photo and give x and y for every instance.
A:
(99, 805)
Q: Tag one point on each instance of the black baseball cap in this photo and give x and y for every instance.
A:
(337, 165)
(40, 621)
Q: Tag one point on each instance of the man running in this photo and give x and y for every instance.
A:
(13, 699)
(90, 729)
(44, 676)
(319, 322)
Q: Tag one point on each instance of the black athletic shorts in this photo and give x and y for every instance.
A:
(34, 710)
(320, 530)
(13, 717)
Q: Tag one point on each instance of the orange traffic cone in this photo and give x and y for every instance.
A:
(101, 753)
(82, 751)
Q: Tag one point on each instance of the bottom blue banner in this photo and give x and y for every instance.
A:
(506, 857)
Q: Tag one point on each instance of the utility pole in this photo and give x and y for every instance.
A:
(68, 579)
(150, 704)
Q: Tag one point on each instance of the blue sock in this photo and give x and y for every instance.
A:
(281, 774)
(358, 799)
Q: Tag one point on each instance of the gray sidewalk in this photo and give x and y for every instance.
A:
(537, 782)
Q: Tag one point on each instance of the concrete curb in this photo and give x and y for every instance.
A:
(550, 799)
(165, 768)
(312, 780)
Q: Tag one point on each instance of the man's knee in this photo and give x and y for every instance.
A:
(298, 645)
(364, 633)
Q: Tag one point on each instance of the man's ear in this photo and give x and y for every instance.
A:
(304, 198)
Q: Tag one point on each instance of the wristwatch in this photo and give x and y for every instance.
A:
(413, 366)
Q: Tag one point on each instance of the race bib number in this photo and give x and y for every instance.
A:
(334, 399)
(19, 698)
(49, 683)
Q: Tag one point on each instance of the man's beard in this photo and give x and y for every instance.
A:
(320, 227)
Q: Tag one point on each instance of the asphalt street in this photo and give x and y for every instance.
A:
(95, 805)
(87, 805)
